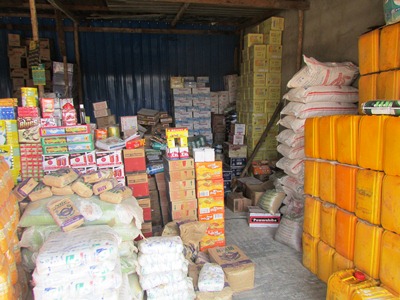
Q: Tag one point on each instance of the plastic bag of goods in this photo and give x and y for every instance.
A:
(319, 73)
(161, 244)
(80, 247)
(156, 267)
(290, 232)
(271, 200)
(181, 290)
(211, 278)
(130, 288)
(155, 279)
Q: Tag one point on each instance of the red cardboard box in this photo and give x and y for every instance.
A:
(134, 160)
(145, 204)
(139, 184)
(257, 217)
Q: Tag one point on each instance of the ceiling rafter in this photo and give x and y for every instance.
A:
(181, 11)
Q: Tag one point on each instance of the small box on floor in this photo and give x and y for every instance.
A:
(257, 217)
(238, 268)
(237, 202)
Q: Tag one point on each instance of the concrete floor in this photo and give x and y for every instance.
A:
(279, 270)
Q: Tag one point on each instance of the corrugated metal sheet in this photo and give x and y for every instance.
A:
(132, 71)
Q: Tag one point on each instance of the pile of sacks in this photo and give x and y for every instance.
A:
(163, 269)
(81, 264)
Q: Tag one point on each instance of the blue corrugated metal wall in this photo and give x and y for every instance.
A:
(132, 71)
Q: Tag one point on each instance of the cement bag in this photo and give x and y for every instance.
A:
(391, 10)
(289, 232)
(66, 190)
(146, 259)
(177, 265)
(61, 177)
(171, 229)
(36, 213)
(82, 246)
(153, 280)
(271, 200)
(322, 93)
(290, 138)
(211, 278)
(291, 166)
(328, 73)
(41, 191)
(291, 122)
(309, 110)
(82, 188)
(130, 288)
(291, 152)
(180, 290)
(161, 244)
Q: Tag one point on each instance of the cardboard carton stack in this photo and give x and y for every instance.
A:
(192, 109)
(156, 218)
(103, 115)
(218, 128)
(59, 82)
(260, 84)
(17, 61)
(163, 196)
(231, 85)
(210, 194)
(235, 160)
(181, 189)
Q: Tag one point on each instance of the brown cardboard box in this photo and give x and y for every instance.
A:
(182, 185)
(235, 150)
(236, 202)
(255, 191)
(14, 40)
(106, 121)
(180, 175)
(238, 268)
(145, 204)
(180, 195)
(180, 164)
(20, 73)
(102, 113)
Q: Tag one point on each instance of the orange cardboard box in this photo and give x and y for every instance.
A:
(184, 214)
(210, 188)
(212, 217)
(211, 205)
(178, 164)
(208, 170)
(211, 242)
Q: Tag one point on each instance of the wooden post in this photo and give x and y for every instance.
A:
(35, 34)
(300, 40)
(63, 51)
(78, 63)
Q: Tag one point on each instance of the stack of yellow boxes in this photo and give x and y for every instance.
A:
(260, 83)
(379, 64)
(9, 144)
(210, 193)
(352, 183)
(13, 280)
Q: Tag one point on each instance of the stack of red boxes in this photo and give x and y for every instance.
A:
(210, 193)
(30, 147)
(181, 189)
(137, 180)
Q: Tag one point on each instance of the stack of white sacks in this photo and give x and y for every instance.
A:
(318, 89)
(163, 269)
(81, 264)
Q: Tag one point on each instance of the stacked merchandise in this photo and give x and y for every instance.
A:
(235, 157)
(13, 280)
(236, 137)
(163, 269)
(17, 62)
(177, 143)
(231, 86)
(104, 118)
(156, 219)
(318, 89)
(162, 184)
(59, 83)
(192, 109)
(154, 121)
(137, 179)
(9, 144)
(181, 189)
(260, 84)
(379, 65)
(218, 129)
(89, 274)
(210, 193)
(350, 216)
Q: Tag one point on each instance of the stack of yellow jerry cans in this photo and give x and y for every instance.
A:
(260, 83)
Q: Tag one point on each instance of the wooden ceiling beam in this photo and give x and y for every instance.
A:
(263, 4)
(59, 6)
(181, 11)
(50, 7)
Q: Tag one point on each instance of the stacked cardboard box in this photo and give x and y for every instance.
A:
(59, 82)
(156, 218)
(231, 86)
(180, 186)
(192, 109)
(163, 196)
(218, 128)
(17, 61)
(189, 82)
(235, 161)
(260, 84)
(210, 193)
(103, 115)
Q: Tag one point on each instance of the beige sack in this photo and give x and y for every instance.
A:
(66, 190)
(41, 191)
(104, 185)
(61, 177)
(82, 189)
(116, 194)
(96, 176)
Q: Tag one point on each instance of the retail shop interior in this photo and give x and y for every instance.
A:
(250, 154)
